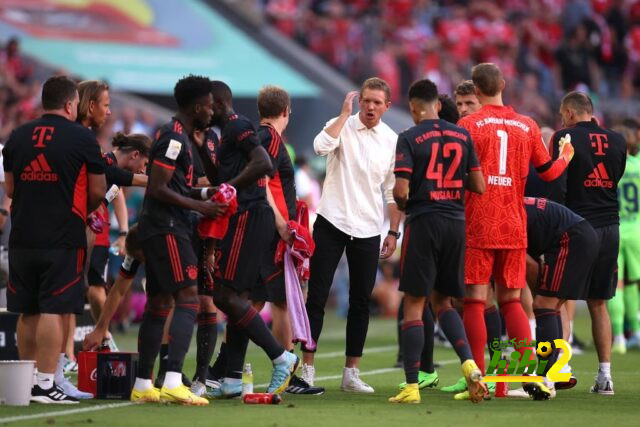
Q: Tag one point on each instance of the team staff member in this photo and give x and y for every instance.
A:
(164, 230)
(435, 162)
(54, 163)
(360, 152)
(589, 188)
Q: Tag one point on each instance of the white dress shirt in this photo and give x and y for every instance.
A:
(360, 166)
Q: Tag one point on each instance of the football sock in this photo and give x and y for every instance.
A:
(257, 331)
(164, 354)
(412, 342)
(453, 329)
(142, 384)
(532, 327)
(426, 357)
(236, 349)
(206, 336)
(616, 312)
(494, 326)
(59, 373)
(547, 330)
(631, 306)
(604, 369)
(172, 379)
(220, 365)
(399, 320)
(181, 331)
(517, 323)
(45, 381)
(475, 328)
(149, 339)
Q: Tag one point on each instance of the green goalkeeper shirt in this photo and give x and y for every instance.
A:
(629, 194)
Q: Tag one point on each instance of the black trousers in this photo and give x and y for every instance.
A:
(362, 259)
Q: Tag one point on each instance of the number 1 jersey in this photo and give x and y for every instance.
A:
(505, 143)
(436, 157)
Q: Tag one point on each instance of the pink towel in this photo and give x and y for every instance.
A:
(295, 304)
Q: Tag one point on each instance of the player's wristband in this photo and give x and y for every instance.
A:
(204, 193)
(395, 234)
(122, 233)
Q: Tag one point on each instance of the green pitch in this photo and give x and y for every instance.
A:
(335, 408)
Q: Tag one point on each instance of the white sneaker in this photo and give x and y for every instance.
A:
(518, 393)
(308, 374)
(198, 388)
(71, 390)
(69, 366)
(603, 385)
(351, 382)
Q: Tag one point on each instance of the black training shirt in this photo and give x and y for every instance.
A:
(546, 223)
(50, 158)
(589, 185)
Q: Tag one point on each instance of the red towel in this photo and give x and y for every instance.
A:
(216, 228)
(303, 245)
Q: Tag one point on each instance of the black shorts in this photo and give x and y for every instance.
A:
(46, 281)
(271, 285)
(170, 263)
(604, 277)
(242, 249)
(567, 268)
(433, 256)
(97, 274)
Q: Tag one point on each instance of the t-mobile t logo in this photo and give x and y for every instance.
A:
(42, 134)
(599, 142)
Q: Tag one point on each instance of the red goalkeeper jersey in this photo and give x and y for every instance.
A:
(505, 143)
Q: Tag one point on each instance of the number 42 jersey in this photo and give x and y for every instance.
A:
(505, 143)
(436, 157)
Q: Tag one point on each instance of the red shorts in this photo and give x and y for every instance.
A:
(508, 267)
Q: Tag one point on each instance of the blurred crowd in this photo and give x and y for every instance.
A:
(544, 47)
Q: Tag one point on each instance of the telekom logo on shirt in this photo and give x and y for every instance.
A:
(599, 142)
(42, 134)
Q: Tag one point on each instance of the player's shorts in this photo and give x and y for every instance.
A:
(241, 251)
(46, 281)
(170, 262)
(97, 273)
(433, 251)
(271, 286)
(629, 254)
(566, 272)
(508, 267)
(605, 269)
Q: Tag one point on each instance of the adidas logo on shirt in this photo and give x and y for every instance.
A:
(39, 170)
(598, 178)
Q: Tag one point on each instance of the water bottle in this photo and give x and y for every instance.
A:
(262, 399)
(247, 380)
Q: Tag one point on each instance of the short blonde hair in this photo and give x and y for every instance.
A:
(376, 83)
